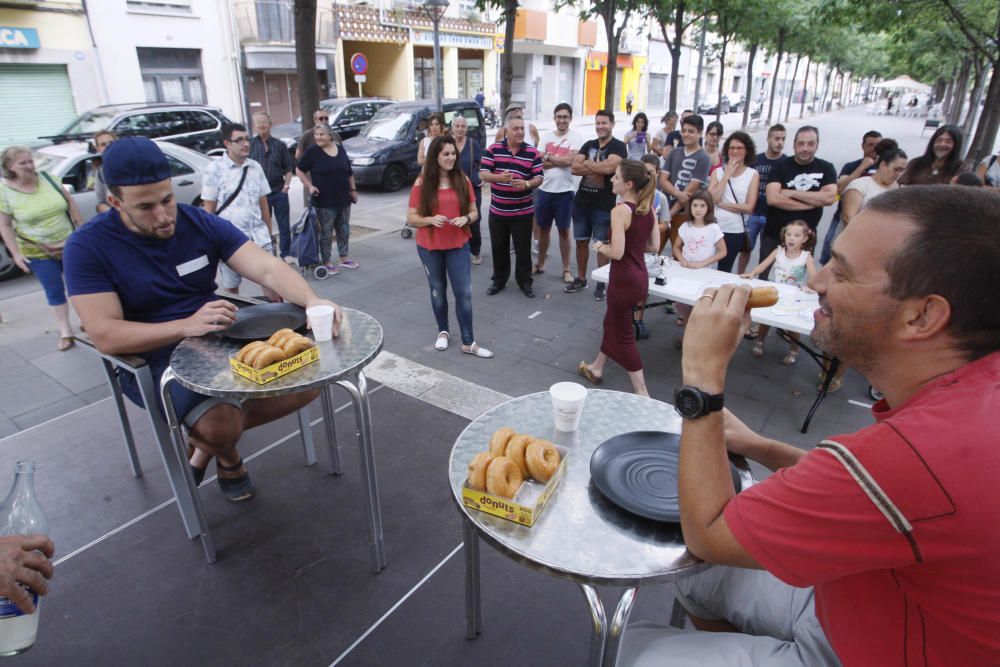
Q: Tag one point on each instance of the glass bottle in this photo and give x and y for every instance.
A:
(20, 514)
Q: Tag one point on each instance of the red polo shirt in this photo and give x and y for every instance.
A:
(896, 526)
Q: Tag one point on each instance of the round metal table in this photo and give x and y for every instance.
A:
(580, 536)
(202, 365)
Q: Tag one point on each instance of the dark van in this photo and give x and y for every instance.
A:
(385, 153)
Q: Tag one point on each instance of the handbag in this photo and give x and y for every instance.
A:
(746, 235)
(53, 250)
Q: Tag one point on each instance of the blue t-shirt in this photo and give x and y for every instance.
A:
(155, 280)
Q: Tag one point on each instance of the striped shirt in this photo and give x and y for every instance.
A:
(525, 165)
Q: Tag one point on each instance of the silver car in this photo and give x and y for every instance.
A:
(73, 164)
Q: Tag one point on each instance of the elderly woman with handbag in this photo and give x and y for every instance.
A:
(36, 218)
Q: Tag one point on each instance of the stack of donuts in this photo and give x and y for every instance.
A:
(283, 344)
(512, 458)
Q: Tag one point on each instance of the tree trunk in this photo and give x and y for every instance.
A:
(722, 78)
(948, 93)
(805, 86)
(305, 60)
(977, 96)
(774, 75)
(749, 99)
(989, 121)
(507, 57)
(815, 94)
(826, 89)
(961, 88)
(609, 81)
(791, 93)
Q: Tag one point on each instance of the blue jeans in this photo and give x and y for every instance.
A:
(333, 221)
(831, 234)
(278, 201)
(455, 265)
(734, 243)
(50, 274)
(591, 224)
(755, 224)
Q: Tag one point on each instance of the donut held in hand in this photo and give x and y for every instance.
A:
(503, 477)
(762, 297)
(477, 470)
(542, 459)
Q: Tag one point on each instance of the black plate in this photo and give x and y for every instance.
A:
(259, 322)
(638, 472)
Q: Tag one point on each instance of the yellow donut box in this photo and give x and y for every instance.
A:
(277, 369)
(529, 501)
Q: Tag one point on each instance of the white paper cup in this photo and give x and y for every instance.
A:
(567, 404)
(321, 322)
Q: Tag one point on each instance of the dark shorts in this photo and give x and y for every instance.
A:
(554, 206)
(591, 224)
(188, 405)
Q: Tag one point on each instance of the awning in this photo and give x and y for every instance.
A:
(904, 83)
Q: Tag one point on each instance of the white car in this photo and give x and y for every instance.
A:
(73, 164)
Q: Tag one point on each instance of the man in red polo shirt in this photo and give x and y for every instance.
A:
(896, 528)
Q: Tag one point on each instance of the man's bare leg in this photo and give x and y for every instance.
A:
(543, 235)
(565, 243)
(712, 624)
(582, 257)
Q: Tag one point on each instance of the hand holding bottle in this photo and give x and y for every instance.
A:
(24, 560)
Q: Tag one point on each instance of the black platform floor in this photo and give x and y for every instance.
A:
(292, 584)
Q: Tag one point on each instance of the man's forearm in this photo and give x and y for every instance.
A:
(774, 454)
(288, 178)
(287, 282)
(784, 202)
(705, 484)
(814, 199)
(119, 336)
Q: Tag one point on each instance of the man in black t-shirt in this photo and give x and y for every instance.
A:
(799, 188)
(596, 162)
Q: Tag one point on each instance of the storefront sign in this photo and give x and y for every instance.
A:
(422, 38)
(19, 38)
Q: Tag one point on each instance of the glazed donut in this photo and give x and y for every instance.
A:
(498, 443)
(763, 297)
(269, 354)
(503, 477)
(279, 335)
(247, 349)
(252, 354)
(295, 344)
(477, 470)
(515, 452)
(542, 458)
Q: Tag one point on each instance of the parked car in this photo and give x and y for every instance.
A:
(348, 116)
(73, 164)
(711, 105)
(736, 101)
(190, 125)
(385, 153)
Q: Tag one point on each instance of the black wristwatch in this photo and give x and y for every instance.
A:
(692, 403)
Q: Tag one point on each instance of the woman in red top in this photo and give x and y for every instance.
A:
(442, 206)
(633, 232)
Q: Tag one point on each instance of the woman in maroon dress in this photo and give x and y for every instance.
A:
(633, 232)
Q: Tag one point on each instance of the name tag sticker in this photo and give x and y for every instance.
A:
(192, 266)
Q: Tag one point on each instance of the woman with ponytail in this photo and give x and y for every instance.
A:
(633, 232)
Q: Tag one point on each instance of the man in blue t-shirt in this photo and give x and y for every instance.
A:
(142, 278)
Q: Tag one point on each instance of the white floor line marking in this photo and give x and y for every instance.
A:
(167, 503)
(860, 404)
(65, 414)
(395, 606)
(534, 314)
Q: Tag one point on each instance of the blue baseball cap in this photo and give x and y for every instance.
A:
(134, 161)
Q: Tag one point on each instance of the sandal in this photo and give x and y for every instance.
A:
(441, 344)
(66, 342)
(751, 334)
(197, 473)
(236, 489)
(537, 268)
(585, 371)
(567, 277)
(758, 349)
(679, 321)
(834, 386)
(791, 358)
(476, 259)
(477, 350)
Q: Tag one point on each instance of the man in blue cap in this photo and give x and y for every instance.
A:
(142, 278)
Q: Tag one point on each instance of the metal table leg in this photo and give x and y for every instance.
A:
(180, 452)
(618, 622)
(164, 440)
(330, 422)
(828, 364)
(363, 418)
(305, 428)
(473, 602)
(116, 392)
(599, 631)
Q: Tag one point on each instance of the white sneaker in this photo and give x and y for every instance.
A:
(441, 344)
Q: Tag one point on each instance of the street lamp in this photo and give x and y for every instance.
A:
(435, 9)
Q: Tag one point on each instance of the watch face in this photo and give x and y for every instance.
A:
(688, 402)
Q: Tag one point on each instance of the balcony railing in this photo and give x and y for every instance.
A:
(273, 22)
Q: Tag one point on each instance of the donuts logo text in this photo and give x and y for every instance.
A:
(499, 504)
